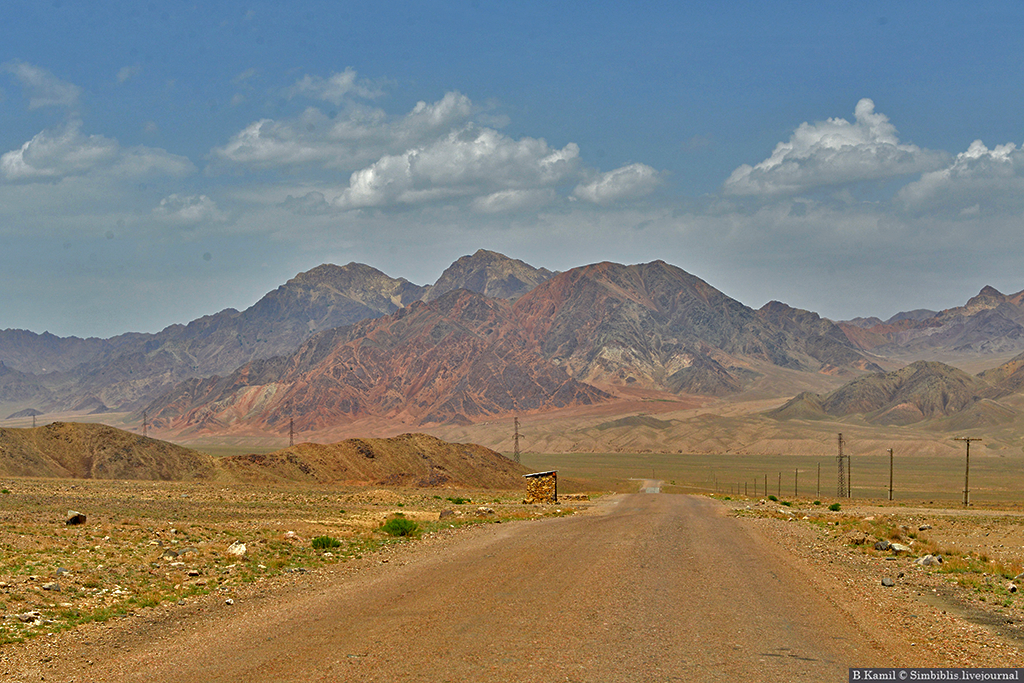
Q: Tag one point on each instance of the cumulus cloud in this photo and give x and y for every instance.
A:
(336, 88)
(190, 209)
(834, 152)
(42, 87)
(66, 151)
(979, 179)
(468, 162)
(629, 182)
(353, 138)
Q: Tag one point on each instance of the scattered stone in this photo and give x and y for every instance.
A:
(929, 560)
(51, 586)
(169, 555)
(484, 511)
(296, 570)
(575, 496)
(74, 517)
(237, 549)
(1012, 587)
(924, 527)
(856, 537)
(291, 536)
(899, 548)
(887, 582)
(192, 572)
(187, 549)
(446, 514)
(29, 617)
(883, 545)
(229, 601)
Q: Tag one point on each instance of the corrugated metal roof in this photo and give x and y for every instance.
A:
(540, 474)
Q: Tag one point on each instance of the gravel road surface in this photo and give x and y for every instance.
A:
(649, 588)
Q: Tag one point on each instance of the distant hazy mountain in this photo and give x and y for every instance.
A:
(463, 356)
(130, 370)
(990, 322)
(921, 391)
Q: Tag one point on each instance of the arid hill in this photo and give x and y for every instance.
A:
(96, 451)
(406, 460)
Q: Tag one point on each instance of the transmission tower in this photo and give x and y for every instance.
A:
(145, 423)
(841, 483)
(291, 431)
(515, 440)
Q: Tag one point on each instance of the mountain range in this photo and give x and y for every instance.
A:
(338, 345)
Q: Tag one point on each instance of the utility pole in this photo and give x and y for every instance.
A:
(890, 474)
(515, 440)
(841, 482)
(780, 484)
(796, 483)
(291, 431)
(817, 493)
(967, 469)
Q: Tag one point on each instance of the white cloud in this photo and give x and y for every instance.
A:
(468, 162)
(190, 209)
(355, 137)
(336, 88)
(629, 182)
(55, 154)
(43, 88)
(834, 152)
(513, 201)
(978, 180)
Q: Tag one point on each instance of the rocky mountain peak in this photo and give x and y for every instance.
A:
(491, 274)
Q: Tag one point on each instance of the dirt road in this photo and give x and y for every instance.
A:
(653, 588)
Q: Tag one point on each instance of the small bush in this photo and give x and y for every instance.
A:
(817, 502)
(458, 500)
(787, 503)
(400, 526)
(834, 507)
(772, 498)
(325, 542)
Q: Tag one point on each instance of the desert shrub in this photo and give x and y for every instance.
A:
(458, 500)
(400, 526)
(786, 503)
(773, 498)
(325, 542)
(817, 502)
(834, 507)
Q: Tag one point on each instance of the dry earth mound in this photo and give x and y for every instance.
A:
(406, 460)
(96, 451)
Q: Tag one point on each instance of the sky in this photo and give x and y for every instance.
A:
(162, 161)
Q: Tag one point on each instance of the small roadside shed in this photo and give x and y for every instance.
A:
(542, 487)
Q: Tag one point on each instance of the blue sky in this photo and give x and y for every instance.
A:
(162, 161)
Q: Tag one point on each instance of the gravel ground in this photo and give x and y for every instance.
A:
(642, 587)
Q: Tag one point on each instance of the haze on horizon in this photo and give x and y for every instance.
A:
(159, 163)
